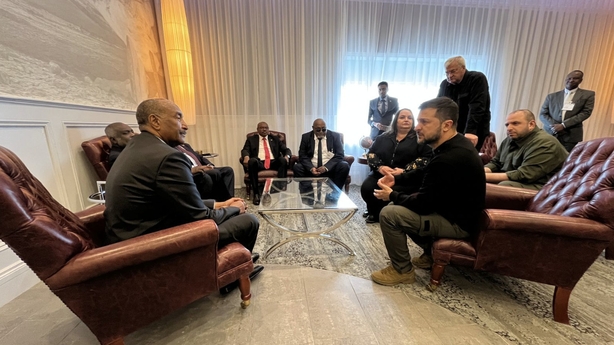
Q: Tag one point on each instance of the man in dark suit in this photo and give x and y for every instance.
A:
(469, 90)
(563, 112)
(381, 110)
(222, 178)
(151, 187)
(119, 134)
(264, 152)
(321, 155)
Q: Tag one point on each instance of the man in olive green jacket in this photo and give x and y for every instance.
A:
(528, 157)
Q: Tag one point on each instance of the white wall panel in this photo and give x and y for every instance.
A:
(47, 137)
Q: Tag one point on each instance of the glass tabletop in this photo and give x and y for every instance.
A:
(303, 195)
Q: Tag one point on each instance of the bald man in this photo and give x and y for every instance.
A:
(331, 163)
(255, 152)
(120, 134)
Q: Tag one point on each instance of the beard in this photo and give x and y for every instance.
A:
(432, 138)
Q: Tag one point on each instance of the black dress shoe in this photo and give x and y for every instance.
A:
(230, 287)
(256, 199)
(372, 219)
(366, 214)
(255, 257)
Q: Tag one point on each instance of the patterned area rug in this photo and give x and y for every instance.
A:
(518, 310)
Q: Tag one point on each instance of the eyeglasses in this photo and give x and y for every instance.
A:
(319, 129)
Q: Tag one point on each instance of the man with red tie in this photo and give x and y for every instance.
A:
(264, 152)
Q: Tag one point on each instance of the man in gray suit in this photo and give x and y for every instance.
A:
(563, 112)
(381, 110)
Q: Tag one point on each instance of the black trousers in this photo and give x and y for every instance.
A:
(242, 228)
(338, 174)
(223, 179)
(254, 165)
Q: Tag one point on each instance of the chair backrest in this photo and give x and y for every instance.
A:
(584, 187)
(43, 233)
(280, 135)
(97, 152)
(489, 147)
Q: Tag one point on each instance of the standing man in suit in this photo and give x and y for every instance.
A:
(264, 152)
(469, 90)
(381, 111)
(119, 134)
(222, 178)
(563, 112)
(151, 187)
(321, 155)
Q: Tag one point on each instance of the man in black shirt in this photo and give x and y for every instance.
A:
(119, 134)
(469, 90)
(448, 203)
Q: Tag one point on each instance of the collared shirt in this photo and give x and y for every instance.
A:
(567, 92)
(261, 154)
(326, 155)
(194, 164)
(533, 159)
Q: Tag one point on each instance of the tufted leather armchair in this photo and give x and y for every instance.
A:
(118, 288)
(97, 152)
(552, 236)
(489, 148)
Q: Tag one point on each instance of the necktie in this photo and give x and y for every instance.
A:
(380, 106)
(186, 152)
(267, 154)
(568, 99)
(319, 152)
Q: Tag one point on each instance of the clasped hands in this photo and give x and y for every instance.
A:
(202, 168)
(385, 183)
(232, 202)
(318, 171)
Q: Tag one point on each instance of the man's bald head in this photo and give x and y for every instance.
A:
(119, 133)
(319, 127)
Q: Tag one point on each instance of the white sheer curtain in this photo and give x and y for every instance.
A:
(288, 62)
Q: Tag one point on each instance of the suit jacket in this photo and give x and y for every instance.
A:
(278, 148)
(385, 118)
(308, 144)
(113, 154)
(201, 159)
(552, 110)
(151, 188)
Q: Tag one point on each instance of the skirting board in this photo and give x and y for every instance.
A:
(14, 280)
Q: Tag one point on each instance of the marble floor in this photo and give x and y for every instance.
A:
(290, 305)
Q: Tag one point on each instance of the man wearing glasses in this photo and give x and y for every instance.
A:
(469, 90)
(321, 155)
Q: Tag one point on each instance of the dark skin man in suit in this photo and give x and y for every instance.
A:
(253, 154)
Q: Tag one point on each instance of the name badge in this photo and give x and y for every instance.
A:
(568, 106)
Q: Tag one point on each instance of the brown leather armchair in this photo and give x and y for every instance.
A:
(552, 236)
(264, 174)
(118, 288)
(489, 148)
(97, 152)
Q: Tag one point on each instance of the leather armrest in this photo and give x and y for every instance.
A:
(349, 159)
(93, 218)
(508, 198)
(537, 223)
(135, 251)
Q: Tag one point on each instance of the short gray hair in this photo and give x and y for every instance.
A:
(455, 60)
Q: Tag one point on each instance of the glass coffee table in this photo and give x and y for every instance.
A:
(304, 196)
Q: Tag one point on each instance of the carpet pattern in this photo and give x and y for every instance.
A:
(518, 310)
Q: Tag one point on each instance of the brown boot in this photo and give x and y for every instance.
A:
(424, 261)
(389, 276)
